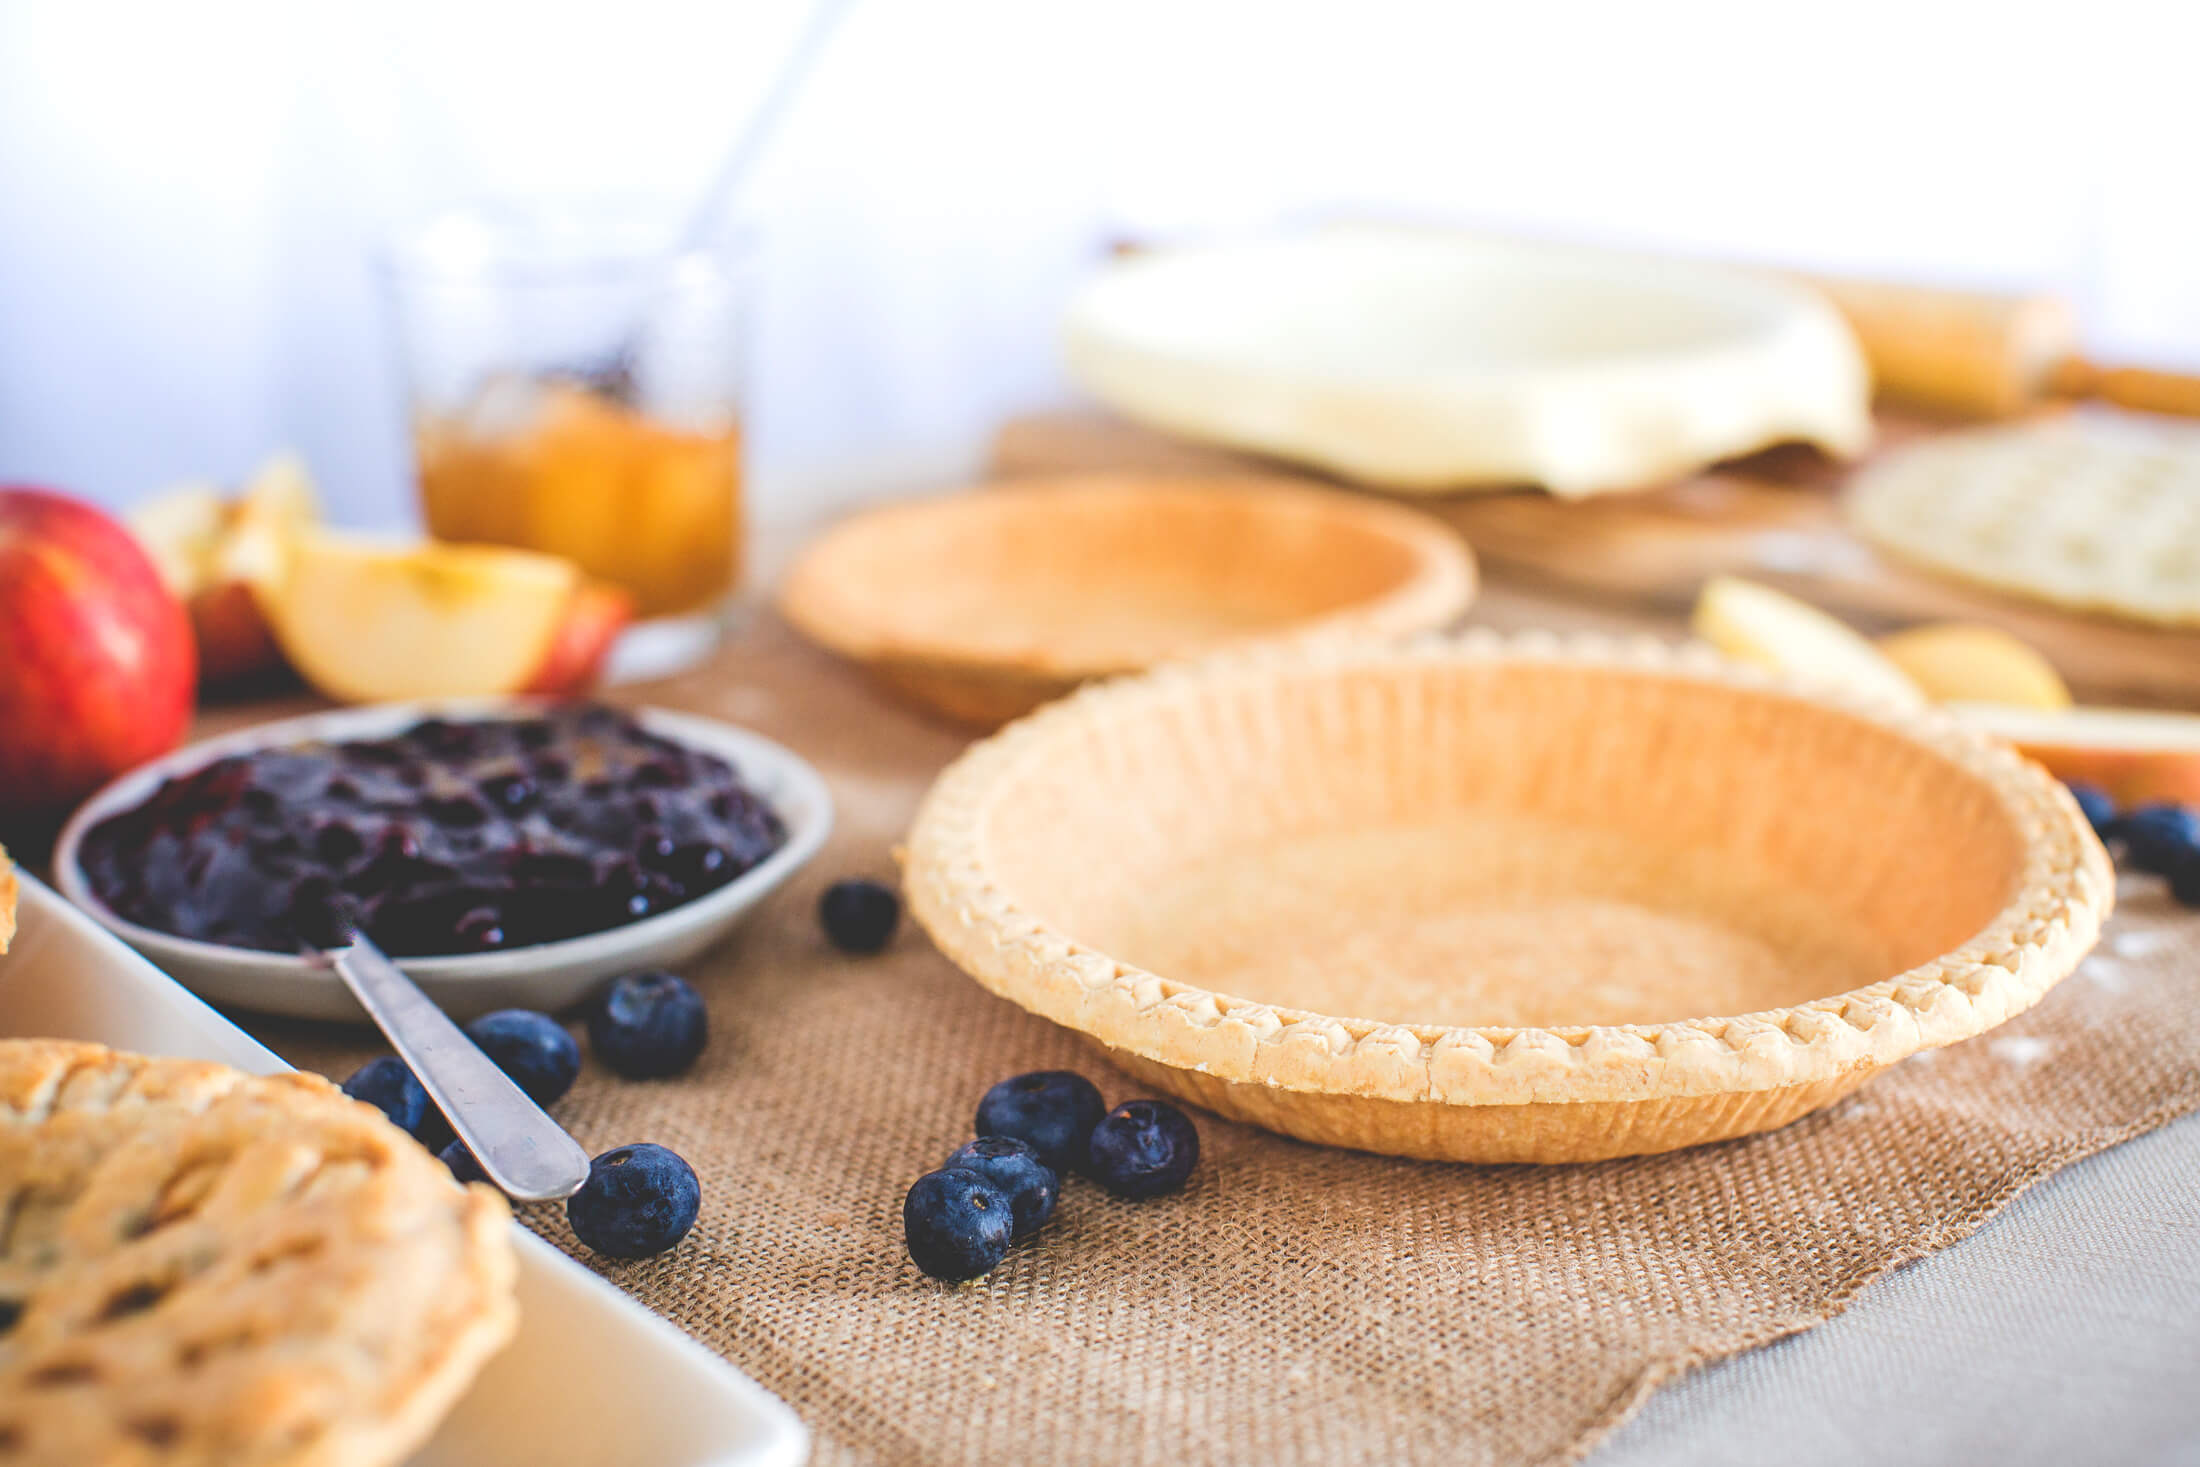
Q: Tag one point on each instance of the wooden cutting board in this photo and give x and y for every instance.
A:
(1774, 517)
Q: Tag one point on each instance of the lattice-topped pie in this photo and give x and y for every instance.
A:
(207, 1267)
(2094, 513)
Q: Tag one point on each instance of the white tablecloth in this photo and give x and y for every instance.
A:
(2066, 1331)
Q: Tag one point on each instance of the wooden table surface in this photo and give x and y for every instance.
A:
(1774, 517)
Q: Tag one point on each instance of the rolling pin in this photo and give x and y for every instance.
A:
(1986, 355)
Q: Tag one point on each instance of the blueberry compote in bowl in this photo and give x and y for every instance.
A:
(508, 853)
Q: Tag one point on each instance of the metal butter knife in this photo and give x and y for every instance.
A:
(526, 1154)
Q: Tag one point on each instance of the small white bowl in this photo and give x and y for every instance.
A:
(548, 975)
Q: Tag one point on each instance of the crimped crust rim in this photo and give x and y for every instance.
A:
(2049, 922)
(1441, 586)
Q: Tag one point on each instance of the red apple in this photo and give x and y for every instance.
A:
(98, 669)
(595, 614)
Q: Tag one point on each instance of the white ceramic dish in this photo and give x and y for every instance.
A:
(1427, 360)
(548, 975)
(592, 1378)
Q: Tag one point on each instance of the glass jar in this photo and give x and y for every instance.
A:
(575, 387)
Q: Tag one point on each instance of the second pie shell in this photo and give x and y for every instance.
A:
(1492, 900)
(984, 606)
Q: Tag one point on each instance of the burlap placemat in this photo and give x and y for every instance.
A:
(1295, 1304)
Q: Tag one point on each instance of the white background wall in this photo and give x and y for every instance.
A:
(188, 192)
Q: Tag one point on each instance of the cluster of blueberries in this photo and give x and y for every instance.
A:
(642, 1199)
(1032, 1131)
(2161, 838)
(638, 1200)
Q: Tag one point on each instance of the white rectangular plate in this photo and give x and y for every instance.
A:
(592, 1379)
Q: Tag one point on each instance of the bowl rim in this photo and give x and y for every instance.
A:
(1438, 587)
(760, 759)
(2051, 918)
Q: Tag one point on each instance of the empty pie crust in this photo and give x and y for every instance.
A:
(199, 1266)
(1491, 900)
(984, 606)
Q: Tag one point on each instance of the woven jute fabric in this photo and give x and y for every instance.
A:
(1294, 1304)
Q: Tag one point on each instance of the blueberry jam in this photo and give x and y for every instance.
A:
(447, 838)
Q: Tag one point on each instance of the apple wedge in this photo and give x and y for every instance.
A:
(367, 620)
(595, 614)
(180, 530)
(2136, 755)
(1756, 624)
(1960, 662)
(210, 550)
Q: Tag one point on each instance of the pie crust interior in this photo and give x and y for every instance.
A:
(198, 1266)
(984, 606)
(1503, 900)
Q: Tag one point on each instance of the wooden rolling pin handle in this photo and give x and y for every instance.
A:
(2142, 389)
(1968, 352)
(1987, 355)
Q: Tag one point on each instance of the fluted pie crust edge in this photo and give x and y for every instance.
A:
(1093, 535)
(1501, 1094)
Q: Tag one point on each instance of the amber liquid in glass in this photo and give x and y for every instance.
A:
(649, 507)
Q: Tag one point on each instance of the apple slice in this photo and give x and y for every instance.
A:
(367, 620)
(180, 530)
(594, 616)
(1958, 662)
(1756, 624)
(276, 506)
(209, 550)
(2135, 754)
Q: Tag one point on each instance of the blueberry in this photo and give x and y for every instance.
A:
(2100, 810)
(319, 914)
(337, 841)
(647, 1025)
(958, 1224)
(1144, 1148)
(508, 792)
(2159, 837)
(457, 812)
(479, 929)
(532, 1048)
(2184, 880)
(859, 916)
(462, 1163)
(434, 1131)
(390, 1087)
(1016, 1172)
(1054, 1110)
(637, 1202)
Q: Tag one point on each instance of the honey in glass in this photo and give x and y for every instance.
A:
(650, 507)
(576, 387)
